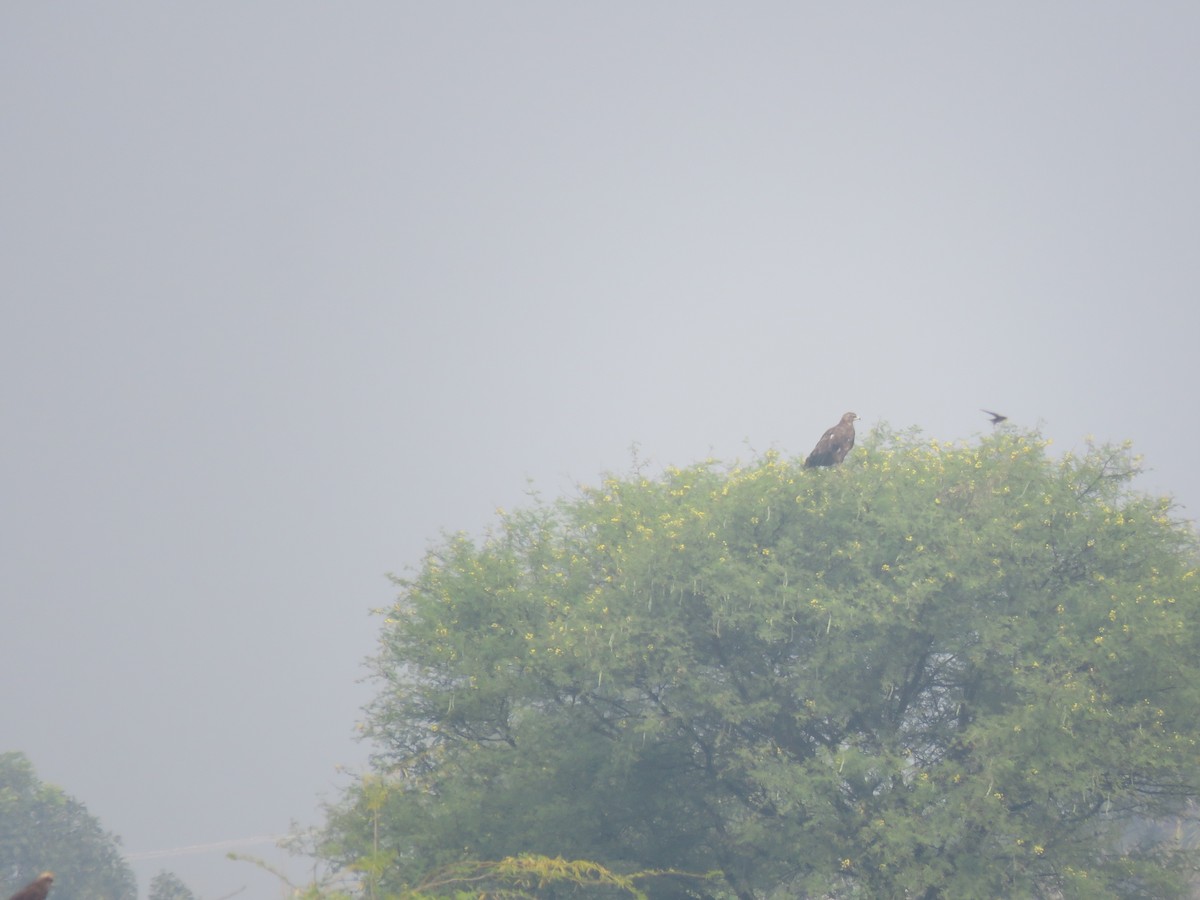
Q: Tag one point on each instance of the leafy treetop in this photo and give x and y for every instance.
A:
(939, 670)
(43, 828)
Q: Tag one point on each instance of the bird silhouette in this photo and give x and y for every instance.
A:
(996, 417)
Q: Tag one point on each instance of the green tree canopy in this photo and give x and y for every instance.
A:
(965, 671)
(43, 828)
(169, 886)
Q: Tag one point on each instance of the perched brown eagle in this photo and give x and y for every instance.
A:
(36, 889)
(834, 444)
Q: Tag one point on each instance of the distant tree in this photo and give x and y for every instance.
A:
(168, 886)
(43, 828)
(936, 671)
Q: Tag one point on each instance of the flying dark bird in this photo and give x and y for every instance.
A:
(36, 889)
(996, 417)
(834, 444)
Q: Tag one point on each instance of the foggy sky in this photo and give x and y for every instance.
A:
(291, 288)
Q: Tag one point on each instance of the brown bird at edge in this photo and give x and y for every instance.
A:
(996, 417)
(36, 889)
(834, 444)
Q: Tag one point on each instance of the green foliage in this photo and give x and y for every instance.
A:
(43, 828)
(323, 886)
(169, 886)
(934, 671)
(512, 878)
(527, 876)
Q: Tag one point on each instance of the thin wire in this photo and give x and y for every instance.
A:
(205, 848)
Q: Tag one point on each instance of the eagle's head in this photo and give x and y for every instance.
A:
(848, 418)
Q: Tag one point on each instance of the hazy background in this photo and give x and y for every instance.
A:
(288, 288)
